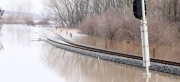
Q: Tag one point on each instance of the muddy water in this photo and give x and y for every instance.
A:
(156, 51)
(78, 68)
(23, 60)
(20, 60)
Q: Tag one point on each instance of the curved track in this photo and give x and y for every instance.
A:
(71, 44)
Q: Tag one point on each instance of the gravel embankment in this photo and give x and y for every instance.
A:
(175, 70)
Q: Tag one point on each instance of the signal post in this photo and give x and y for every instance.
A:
(139, 9)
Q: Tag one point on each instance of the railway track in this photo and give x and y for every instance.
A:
(71, 44)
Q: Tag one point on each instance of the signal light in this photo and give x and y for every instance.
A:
(137, 9)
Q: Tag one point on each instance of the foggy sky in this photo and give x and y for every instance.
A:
(8, 4)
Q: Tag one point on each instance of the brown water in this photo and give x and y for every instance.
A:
(159, 52)
(23, 60)
(78, 68)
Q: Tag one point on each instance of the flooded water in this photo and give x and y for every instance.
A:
(20, 60)
(78, 68)
(24, 60)
(156, 51)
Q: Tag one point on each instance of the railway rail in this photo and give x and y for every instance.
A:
(71, 44)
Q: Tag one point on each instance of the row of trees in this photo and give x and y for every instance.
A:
(1, 14)
(19, 12)
(72, 12)
(17, 18)
(166, 9)
(114, 20)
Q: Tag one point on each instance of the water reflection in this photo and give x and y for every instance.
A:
(1, 44)
(78, 68)
(147, 79)
(20, 59)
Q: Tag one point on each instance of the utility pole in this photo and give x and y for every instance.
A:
(145, 41)
(139, 9)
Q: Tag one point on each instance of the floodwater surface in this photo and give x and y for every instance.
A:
(163, 52)
(156, 51)
(24, 60)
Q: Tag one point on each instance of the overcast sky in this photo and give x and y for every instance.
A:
(36, 4)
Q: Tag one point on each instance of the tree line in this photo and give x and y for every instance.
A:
(72, 12)
(19, 12)
(114, 20)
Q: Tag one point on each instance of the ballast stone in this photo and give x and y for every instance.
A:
(175, 70)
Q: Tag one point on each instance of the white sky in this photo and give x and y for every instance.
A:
(36, 4)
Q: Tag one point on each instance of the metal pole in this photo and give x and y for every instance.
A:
(145, 42)
(147, 79)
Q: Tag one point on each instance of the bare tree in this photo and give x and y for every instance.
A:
(1, 14)
(27, 16)
(20, 12)
(113, 19)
